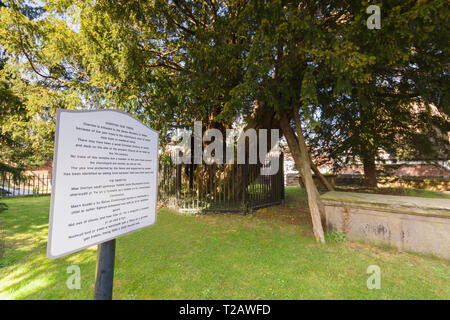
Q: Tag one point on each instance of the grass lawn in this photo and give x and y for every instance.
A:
(269, 255)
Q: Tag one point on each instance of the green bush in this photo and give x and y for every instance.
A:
(335, 237)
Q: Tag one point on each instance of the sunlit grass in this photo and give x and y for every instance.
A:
(214, 257)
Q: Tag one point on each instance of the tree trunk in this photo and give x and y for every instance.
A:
(316, 171)
(304, 150)
(370, 173)
(300, 153)
(324, 180)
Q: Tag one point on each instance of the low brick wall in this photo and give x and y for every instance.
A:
(408, 223)
(292, 179)
(428, 183)
(419, 182)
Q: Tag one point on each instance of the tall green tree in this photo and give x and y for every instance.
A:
(297, 45)
(10, 107)
(27, 99)
(403, 108)
(308, 57)
(276, 64)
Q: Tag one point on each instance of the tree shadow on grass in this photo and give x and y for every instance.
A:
(25, 216)
(25, 270)
(29, 281)
(3, 207)
(27, 273)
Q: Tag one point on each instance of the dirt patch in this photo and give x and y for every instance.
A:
(383, 252)
(295, 216)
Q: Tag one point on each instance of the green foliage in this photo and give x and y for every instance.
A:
(402, 105)
(335, 237)
(165, 159)
(170, 63)
(32, 86)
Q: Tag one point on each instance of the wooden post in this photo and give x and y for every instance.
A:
(105, 270)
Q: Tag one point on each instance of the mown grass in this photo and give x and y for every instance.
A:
(214, 256)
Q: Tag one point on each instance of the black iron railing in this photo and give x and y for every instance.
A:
(219, 187)
(26, 185)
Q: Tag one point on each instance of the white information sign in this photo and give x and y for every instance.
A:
(104, 179)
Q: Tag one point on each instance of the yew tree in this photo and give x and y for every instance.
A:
(301, 66)
(24, 132)
(403, 108)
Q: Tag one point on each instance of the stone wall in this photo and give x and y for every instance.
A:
(419, 182)
(292, 179)
(409, 169)
(423, 182)
(408, 223)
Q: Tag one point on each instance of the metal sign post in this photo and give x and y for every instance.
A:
(105, 270)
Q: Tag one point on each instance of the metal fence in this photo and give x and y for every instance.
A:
(27, 185)
(190, 188)
(219, 187)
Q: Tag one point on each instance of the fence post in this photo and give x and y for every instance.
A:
(282, 176)
(245, 186)
(178, 184)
